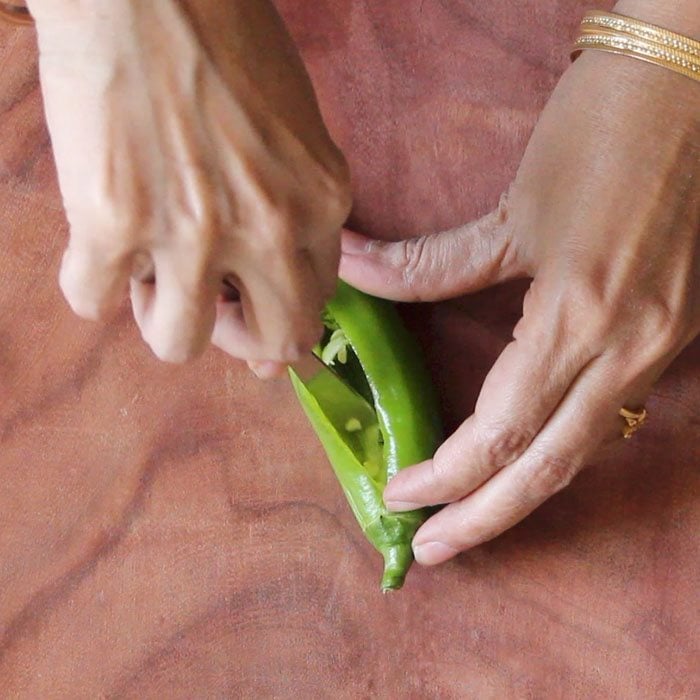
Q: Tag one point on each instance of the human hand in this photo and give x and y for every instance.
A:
(190, 151)
(604, 214)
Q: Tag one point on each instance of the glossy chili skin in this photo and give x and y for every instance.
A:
(403, 407)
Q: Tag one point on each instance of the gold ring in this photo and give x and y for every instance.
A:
(633, 419)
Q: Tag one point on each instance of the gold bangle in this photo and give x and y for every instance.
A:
(644, 51)
(622, 35)
(596, 20)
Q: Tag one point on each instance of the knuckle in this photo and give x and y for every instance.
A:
(103, 253)
(656, 325)
(504, 445)
(268, 214)
(113, 234)
(664, 327)
(274, 228)
(412, 261)
(549, 473)
(278, 219)
(200, 237)
(657, 332)
(503, 208)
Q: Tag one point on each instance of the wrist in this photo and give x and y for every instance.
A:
(680, 16)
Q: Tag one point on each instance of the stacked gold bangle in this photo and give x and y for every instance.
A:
(606, 31)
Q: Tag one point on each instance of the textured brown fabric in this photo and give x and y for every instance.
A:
(172, 532)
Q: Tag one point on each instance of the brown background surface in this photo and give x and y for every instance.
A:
(176, 532)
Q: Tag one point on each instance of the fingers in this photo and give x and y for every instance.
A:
(520, 393)
(588, 416)
(277, 318)
(176, 314)
(433, 267)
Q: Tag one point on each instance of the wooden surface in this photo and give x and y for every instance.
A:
(175, 532)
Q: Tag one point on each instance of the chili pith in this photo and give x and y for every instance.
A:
(374, 413)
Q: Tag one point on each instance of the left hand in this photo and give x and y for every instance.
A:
(604, 214)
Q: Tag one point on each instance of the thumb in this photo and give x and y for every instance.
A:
(436, 266)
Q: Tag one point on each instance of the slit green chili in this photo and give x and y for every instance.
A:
(375, 412)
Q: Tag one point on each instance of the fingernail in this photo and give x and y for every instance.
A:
(355, 243)
(431, 553)
(400, 506)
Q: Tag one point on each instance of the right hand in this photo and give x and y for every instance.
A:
(190, 150)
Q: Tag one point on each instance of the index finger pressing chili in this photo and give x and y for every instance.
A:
(375, 413)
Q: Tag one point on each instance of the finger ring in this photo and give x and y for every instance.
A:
(633, 419)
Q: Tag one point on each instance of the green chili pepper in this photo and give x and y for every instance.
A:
(375, 413)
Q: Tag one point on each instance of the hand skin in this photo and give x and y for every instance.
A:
(190, 148)
(604, 215)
